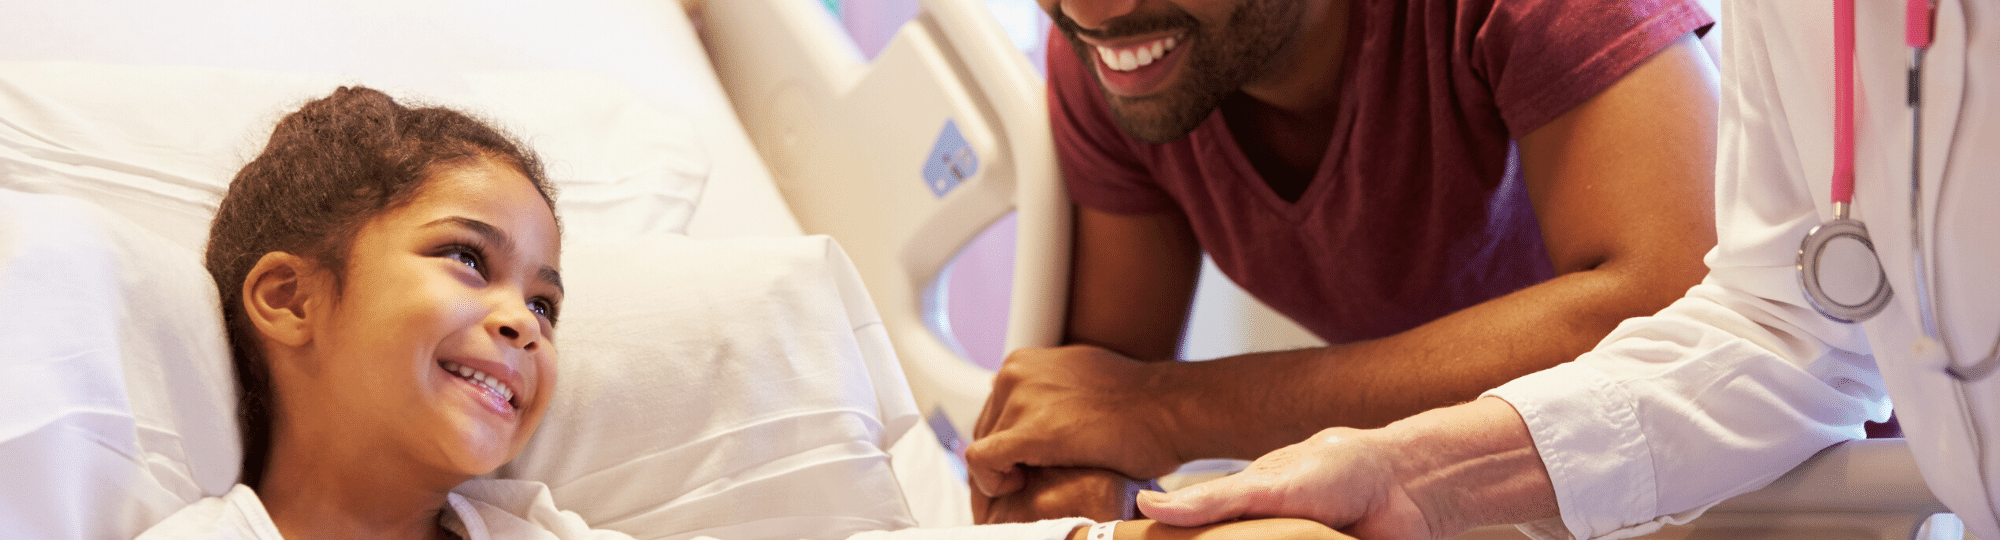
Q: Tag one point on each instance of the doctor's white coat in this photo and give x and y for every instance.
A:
(1742, 380)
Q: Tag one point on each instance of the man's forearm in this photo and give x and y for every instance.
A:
(1245, 406)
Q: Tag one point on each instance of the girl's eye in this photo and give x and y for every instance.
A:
(543, 307)
(467, 256)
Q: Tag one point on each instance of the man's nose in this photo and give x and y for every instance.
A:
(1092, 14)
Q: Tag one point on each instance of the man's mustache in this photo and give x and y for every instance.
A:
(1128, 25)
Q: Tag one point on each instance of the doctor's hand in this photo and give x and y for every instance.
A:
(1432, 475)
(1059, 492)
(1340, 477)
(1074, 406)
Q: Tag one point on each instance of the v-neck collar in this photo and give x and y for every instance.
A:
(1325, 175)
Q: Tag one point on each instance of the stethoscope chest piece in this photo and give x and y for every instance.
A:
(1840, 274)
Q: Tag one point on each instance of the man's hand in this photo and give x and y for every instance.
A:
(1059, 492)
(1074, 406)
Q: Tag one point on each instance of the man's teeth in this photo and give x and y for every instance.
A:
(480, 378)
(1136, 57)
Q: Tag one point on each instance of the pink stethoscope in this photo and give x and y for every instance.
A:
(1843, 242)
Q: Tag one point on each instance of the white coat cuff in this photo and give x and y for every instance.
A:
(1588, 433)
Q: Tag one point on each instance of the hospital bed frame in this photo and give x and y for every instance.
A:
(864, 151)
(848, 143)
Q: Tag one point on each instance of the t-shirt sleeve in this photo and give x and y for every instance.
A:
(1100, 164)
(1520, 46)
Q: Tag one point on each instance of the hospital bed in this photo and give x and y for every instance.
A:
(795, 369)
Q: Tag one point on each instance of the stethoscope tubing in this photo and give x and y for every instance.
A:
(1917, 36)
(1820, 239)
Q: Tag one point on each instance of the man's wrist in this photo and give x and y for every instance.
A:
(1190, 422)
(1229, 408)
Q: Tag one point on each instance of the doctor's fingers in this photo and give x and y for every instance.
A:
(1223, 499)
(1271, 487)
(1341, 486)
(1262, 490)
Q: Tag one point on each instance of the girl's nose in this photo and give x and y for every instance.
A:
(515, 326)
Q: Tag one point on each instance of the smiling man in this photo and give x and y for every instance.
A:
(1452, 192)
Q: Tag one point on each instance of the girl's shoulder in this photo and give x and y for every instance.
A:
(503, 509)
(236, 515)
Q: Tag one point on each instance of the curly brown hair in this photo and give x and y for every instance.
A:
(329, 168)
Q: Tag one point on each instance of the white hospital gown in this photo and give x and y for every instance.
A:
(1742, 380)
(519, 510)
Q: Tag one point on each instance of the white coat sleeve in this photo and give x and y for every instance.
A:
(1741, 380)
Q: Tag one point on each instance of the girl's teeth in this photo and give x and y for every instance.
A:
(482, 379)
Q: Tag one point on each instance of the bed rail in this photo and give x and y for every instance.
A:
(904, 160)
(1860, 490)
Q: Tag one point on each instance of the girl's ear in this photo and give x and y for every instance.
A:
(274, 296)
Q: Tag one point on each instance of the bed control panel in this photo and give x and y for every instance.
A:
(951, 161)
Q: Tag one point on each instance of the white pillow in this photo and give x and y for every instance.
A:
(740, 388)
(116, 398)
(732, 388)
(159, 144)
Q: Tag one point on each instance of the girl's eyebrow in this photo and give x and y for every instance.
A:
(552, 277)
(499, 239)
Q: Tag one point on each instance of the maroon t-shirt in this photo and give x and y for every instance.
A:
(1418, 209)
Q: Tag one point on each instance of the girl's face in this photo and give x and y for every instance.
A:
(439, 349)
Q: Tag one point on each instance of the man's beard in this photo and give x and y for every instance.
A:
(1219, 62)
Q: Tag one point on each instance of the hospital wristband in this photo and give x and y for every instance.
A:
(1103, 531)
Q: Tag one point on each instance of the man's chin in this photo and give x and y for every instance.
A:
(1157, 119)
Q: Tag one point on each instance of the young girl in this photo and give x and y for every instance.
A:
(390, 281)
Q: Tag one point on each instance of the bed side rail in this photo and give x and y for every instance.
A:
(904, 160)
(1861, 490)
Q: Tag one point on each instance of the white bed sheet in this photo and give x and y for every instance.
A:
(648, 45)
